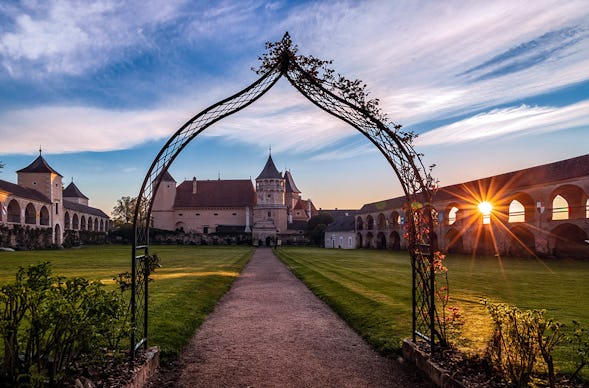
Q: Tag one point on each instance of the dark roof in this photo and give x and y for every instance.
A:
(270, 171)
(23, 192)
(78, 207)
(335, 213)
(72, 191)
(342, 223)
(298, 225)
(387, 204)
(167, 177)
(216, 193)
(507, 182)
(546, 173)
(291, 187)
(39, 165)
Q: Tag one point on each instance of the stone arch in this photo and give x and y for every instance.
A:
(522, 242)
(75, 222)
(44, 216)
(96, 225)
(57, 234)
(381, 241)
(525, 211)
(66, 221)
(90, 224)
(83, 222)
(568, 241)
(452, 215)
(369, 240)
(454, 242)
(101, 225)
(181, 226)
(483, 244)
(369, 222)
(395, 241)
(359, 223)
(381, 221)
(359, 240)
(395, 219)
(30, 214)
(308, 75)
(568, 202)
(13, 212)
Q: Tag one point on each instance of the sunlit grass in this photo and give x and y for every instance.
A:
(184, 291)
(371, 290)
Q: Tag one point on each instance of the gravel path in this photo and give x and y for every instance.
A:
(269, 330)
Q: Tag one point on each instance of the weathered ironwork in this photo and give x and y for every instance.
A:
(343, 103)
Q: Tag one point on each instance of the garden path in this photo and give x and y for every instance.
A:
(269, 330)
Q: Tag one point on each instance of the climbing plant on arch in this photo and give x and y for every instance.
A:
(346, 100)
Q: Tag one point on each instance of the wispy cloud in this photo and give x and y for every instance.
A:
(508, 122)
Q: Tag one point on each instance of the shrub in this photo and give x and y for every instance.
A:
(48, 323)
(520, 340)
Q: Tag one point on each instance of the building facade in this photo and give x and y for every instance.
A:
(38, 201)
(270, 213)
(543, 210)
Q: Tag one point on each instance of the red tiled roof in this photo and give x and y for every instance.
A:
(39, 165)
(215, 193)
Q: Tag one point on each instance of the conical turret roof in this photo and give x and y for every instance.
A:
(270, 171)
(39, 165)
(72, 191)
(291, 187)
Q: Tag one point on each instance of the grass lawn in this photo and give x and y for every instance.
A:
(184, 292)
(371, 290)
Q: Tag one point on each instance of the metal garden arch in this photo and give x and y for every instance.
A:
(336, 98)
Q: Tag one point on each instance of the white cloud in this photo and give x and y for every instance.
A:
(513, 121)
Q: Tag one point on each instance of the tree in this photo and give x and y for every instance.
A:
(317, 225)
(124, 210)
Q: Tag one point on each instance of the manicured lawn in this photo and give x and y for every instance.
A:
(371, 290)
(184, 292)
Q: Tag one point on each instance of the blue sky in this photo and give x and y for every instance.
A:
(490, 87)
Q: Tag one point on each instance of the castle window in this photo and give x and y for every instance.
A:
(180, 214)
(269, 214)
(198, 214)
(234, 214)
(216, 214)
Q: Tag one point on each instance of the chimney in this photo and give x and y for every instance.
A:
(194, 185)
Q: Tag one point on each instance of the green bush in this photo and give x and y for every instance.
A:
(49, 324)
(521, 341)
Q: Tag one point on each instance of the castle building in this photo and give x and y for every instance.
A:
(39, 201)
(273, 211)
(542, 210)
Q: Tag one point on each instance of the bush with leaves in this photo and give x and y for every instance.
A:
(521, 341)
(49, 323)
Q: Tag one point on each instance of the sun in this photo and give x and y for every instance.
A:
(485, 208)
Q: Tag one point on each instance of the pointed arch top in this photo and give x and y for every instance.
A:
(343, 98)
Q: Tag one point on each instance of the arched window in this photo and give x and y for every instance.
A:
(359, 223)
(560, 208)
(75, 222)
(44, 216)
(96, 224)
(381, 221)
(452, 215)
(517, 212)
(13, 212)
(395, 219)
(90, 224)
(66, 220)
(102, 225)
(370, 222)
(30, 214)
